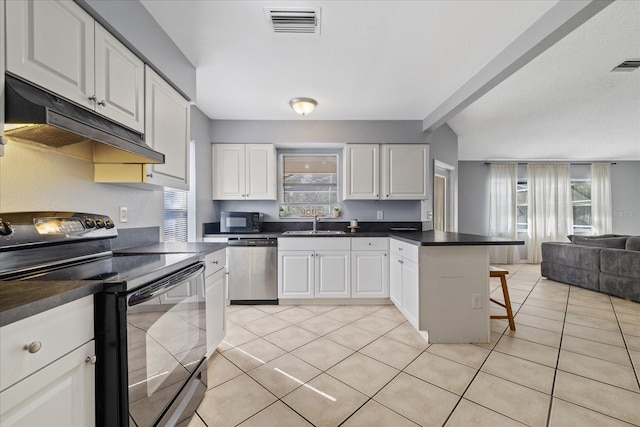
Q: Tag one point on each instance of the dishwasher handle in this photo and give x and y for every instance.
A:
(253, 243)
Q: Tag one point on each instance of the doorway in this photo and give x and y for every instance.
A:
(445, 196)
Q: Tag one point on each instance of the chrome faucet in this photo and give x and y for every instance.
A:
(315, 223)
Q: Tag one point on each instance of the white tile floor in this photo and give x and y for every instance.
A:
(574, 360)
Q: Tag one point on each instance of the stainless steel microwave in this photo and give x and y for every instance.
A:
(240, 222)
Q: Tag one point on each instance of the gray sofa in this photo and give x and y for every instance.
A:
(607, 263)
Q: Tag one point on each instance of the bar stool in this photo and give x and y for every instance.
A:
(502, 274)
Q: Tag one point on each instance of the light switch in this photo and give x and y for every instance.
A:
(124, 214)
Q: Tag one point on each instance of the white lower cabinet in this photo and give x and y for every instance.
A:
(61, 394)
(404, 280)
(47, 368)
(296, 274)
(317, 267)
(215, 297)
(332, 274)
(370, 267)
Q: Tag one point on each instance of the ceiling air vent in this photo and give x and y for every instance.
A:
(628, 65)
(294, 20)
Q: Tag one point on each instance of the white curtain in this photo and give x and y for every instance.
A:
(503, 211)
(601, 198)
(550, 213)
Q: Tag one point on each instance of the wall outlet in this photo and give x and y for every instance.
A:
(124, 214)
(430, 216)
(380, 215)
(476, 301)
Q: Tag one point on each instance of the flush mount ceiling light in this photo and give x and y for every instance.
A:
(303, 106)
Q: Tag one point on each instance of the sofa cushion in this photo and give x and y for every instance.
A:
(633, 243)
(601, 242)
(623, 287)
(583, 257)
(620, 262)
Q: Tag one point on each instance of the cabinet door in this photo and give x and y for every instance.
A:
(167, 131)
(395, 280)
(2, 69)
(361, 178)
(62, 394)
(405, 171)
(410, 291)
(261, 178)
(51, 44)
(215, 303)
(229, 172)
(119, 81)
(332, 276)
(369, 274)
(296, 272)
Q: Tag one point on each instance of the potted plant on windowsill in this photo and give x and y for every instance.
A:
(336, 212)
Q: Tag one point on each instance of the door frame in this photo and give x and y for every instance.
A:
(451, 193)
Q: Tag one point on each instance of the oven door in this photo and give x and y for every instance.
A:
(161, 346)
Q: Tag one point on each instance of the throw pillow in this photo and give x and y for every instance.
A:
(601, 242)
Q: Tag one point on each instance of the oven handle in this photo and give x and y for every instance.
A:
(165, 284)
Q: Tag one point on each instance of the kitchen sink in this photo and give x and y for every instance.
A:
(314, 233)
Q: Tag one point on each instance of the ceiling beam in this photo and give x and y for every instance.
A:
(559, 21)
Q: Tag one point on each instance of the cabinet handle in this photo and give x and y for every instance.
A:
(34, 347)
(399, 249)
(214, 262)
(102, 103)
(149, 175)
(93, 98)
(91, 360)
(400, 261)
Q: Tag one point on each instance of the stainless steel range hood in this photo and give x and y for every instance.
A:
(55, 122)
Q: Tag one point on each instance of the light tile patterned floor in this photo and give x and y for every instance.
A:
(574, 360)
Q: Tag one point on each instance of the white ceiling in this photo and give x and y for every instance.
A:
(401, 60)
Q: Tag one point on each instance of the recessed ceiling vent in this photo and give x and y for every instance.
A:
(628, 65)
(289, 20)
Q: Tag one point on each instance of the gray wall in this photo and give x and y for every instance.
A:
(473, 195)
(203, 186)
(625, 197)
(294, 134)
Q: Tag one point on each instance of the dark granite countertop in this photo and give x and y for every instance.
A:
(444, 238)
(21, 299)
(199, 248)
(419, 238)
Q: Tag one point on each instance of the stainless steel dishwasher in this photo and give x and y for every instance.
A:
(253, 271)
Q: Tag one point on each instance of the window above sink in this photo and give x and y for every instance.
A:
(308, 185)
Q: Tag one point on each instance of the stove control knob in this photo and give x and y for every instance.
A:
(100, 223)
(89, 222)
(5, 228)
(109, 223)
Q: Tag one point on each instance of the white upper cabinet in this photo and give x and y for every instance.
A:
(405, 171)
(51, 43)
(167, 130)
(244, 172)
(58, 46)
(361, 165)
(387, 171)
(119, 88)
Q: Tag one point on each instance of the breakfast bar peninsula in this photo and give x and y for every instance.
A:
(440, 282)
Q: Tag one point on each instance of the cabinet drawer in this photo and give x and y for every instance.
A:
(215, 261)
(59, 331)
(405, 250)
(314, 243)
(369, 244)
